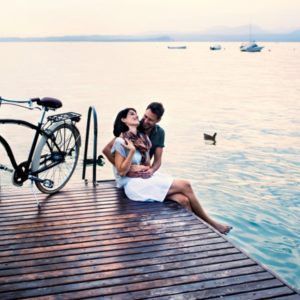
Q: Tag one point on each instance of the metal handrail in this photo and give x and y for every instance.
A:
(95, 140)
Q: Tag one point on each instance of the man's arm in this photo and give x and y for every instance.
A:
(156, 163)
(157, 159)
(107, 151)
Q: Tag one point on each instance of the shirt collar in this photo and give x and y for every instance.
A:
(154, 130)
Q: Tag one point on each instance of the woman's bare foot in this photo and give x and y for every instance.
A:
(223, 228)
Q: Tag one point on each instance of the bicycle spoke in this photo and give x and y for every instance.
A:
(58, 158)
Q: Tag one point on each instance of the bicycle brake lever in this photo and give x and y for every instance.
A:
(30, 103)
(32, 108)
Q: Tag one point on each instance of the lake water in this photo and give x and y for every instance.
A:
(249, 179)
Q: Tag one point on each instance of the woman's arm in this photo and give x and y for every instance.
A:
(122, 163)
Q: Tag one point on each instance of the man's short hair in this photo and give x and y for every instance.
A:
(156, 108)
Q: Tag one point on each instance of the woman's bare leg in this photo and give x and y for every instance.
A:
(181, 199)
(184, 187)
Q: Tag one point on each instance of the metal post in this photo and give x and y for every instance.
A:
(95, 140)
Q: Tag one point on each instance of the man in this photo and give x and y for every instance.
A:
(152, 116)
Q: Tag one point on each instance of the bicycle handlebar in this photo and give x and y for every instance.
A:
(19, 101)
(29, 102)
(46, 102)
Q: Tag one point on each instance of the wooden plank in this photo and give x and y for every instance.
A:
(142, 246)
(60, 262)
(209, 288)
(280, 293)
(98, 284)
(267, 289)
(291, 297)
(118, 271)
(95, 229)
(78, 261)
(37, 220)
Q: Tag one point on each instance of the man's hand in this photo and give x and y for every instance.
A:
(137, 171)
(147, 174)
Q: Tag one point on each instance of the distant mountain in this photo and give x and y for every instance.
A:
(238, 34)
(90, 38)
(230, 34)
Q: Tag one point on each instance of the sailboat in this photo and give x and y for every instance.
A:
(250, 46)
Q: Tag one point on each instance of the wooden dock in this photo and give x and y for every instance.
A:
(93, 243)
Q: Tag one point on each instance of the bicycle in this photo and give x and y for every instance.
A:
(55, 147)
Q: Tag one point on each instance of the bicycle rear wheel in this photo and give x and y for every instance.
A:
(55, 159)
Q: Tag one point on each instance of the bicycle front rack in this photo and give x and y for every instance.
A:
(95, 160)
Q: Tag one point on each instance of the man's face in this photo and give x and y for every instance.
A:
(149, 119)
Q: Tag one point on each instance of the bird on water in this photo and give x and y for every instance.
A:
(209, 137)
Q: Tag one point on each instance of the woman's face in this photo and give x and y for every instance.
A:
(131, 119)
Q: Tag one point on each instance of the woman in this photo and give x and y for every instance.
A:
(131, 150)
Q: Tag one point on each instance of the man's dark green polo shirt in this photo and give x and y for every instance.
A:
(157, 138)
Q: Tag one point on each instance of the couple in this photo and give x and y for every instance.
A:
(130, 153)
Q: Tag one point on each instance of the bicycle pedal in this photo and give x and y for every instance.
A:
(45, 182)
(6, 169)
(48, 183)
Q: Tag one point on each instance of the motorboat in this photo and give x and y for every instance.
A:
(215, 47)
(250, 47)
(176, 47)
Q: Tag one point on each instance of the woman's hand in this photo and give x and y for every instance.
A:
(129, 145)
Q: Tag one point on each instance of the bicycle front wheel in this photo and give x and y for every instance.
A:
(56, 158)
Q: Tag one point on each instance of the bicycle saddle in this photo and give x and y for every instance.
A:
(49, 102)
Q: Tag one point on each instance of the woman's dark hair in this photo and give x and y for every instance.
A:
(156, 108)
(119, 125)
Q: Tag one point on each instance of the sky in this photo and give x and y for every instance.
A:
(28, 18)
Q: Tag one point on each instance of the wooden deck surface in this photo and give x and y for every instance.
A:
(93, 243)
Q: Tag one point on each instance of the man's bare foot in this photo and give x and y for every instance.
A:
(223, 228)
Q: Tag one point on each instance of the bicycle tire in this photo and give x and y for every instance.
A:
(67, 137)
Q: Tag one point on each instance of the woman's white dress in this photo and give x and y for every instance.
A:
(154, 188)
